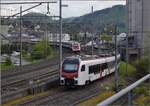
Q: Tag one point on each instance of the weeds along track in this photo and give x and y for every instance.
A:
(28, 68)
(27, 72)
(27, 76)
(21, 89)
(66, 97)
(19, 74)
(17, 83)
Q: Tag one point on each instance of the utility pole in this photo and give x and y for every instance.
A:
(60, 36)
(20, 36)
(92, 31)
(127, 54)
(99, 39)
(129, 30)
(116, 70)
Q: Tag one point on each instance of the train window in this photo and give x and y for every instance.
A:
(104, 66)
(70, 67)
(83, 68)
(111, 64)
(94, 69)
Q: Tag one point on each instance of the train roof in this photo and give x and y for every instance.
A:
(90, 57)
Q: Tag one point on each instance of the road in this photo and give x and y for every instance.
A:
(16, 60)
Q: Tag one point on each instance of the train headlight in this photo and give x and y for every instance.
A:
(62, 82)
(75, 82)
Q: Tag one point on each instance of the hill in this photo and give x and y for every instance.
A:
(100, 19)
(95, 22)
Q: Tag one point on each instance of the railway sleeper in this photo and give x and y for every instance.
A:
(38, 89)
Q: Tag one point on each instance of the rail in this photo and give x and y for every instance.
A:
(123, 92)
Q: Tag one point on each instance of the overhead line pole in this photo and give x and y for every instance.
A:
(60, 36)
(20, 36)
(116, 69)
(92, 31)
(127, 36)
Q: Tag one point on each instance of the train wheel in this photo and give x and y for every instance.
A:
(87, 82)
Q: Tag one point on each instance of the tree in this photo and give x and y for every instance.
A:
(106, 38)
(41, 50)
(8, 61)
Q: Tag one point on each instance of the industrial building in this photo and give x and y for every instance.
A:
(138, 12)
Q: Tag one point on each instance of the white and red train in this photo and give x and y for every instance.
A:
(78, 70)
(72, 45)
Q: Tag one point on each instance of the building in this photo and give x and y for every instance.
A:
(135, 22)
(146, 25)
(139, 22)
(55, 37)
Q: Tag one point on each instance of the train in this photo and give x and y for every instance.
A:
(82, 70)
(74, 46)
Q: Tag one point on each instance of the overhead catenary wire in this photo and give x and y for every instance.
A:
(26, 2)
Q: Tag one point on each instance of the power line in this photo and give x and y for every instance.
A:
(26, 10)
(11, 3)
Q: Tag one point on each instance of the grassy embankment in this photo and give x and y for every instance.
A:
(3, 66)
(142, 91)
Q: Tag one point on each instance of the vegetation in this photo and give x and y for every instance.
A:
(143, 93)
(98, 20)
(142, 101)
(8, 61)
(40, 50)
(88, 22)
(3, 66)
(131, 70)
(5, 49)
(7, 65)
(23, 99)
(97, 99)
(9, 48)
(142, 66)
(106, 38)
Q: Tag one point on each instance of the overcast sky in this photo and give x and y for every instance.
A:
(75, 8)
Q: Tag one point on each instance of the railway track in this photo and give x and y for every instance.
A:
(23, 88)
(28, 71)
(17, 83)
(66, 97)
(27, 76)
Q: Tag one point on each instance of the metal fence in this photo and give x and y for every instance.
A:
(127, 90)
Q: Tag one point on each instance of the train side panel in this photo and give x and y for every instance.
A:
(83, 74)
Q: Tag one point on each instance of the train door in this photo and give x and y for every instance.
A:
(94, 72)
(105, 69)
(101, 70)
(83, 75)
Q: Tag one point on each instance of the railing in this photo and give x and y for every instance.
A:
(123, 92)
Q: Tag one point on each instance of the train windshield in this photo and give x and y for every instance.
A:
(70, 65)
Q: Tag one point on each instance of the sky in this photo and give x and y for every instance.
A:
(74, 9)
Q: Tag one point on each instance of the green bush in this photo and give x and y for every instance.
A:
(6, 49)
(39, 50)
(8, 61)
(131, 70)
(141, 90)
(106, 37)
(142, 66)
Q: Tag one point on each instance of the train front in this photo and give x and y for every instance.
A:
(76, 47)
(69, 72)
